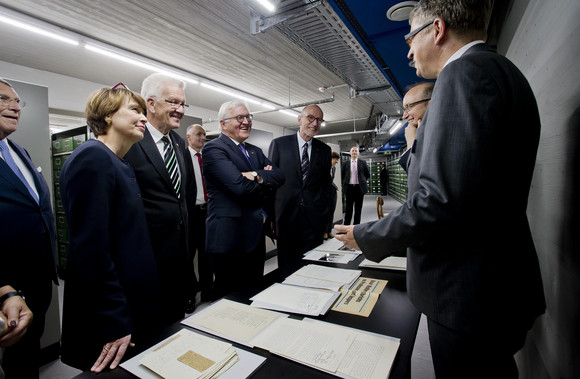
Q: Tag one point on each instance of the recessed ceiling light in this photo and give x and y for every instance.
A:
(400, 11)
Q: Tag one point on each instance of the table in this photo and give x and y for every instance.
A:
(394, 315)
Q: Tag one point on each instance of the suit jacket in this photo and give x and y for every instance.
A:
(166, 214)
(111, 269)
(471, 258)
(363, 173)
(235, 210)
(314, 196)
(27, 255)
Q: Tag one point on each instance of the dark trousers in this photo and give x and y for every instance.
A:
(483, 354)
(237, 270)
(354, 197)
(197, 244)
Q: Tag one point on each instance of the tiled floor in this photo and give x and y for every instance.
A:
(421, 364)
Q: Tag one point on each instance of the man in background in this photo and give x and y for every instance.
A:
(472, 267)
(355, 174)
(160, 169)
(27, 255)
(238, 178)
(415, 103)
(197, 209)
(302, 205)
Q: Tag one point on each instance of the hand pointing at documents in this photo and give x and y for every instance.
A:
(346, 236)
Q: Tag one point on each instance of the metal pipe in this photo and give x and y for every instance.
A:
(329, 100)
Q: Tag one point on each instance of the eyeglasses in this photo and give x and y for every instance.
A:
(176, 104)
(241, 118)
(311, 119)
(409, 37)
(408, 107)
(5, 101)
(120, 85)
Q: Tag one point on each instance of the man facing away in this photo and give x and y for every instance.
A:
(472, 267)
(160, 170)
(302, 205)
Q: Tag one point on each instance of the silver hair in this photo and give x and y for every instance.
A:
(153, 85)
(227, 107)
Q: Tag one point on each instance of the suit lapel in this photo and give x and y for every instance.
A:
(11, 177)
(180, 160)
(236, 150)
(152, 153)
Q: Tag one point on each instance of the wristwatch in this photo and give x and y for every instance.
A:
(9, 295)
(255, 175)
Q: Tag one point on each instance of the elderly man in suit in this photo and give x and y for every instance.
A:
(160, 170)
(27, 253)
(302, 205)
(355, 174)
(472, 271)
(238, 178)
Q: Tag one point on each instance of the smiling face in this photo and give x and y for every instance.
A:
(164, 116)
(310, 121)
(128, 122)
(196, 137)
(9, 111)
(354, 153)
(422, 50)
(414, 108)
(238, 131)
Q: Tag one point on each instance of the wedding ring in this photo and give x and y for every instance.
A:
(107, 350)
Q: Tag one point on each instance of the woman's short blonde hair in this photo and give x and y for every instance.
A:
(106, 101)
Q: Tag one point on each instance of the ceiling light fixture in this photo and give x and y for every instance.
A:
(229, 92)
(401, 11)
(266, 4)
(42, 31)
(396, 127)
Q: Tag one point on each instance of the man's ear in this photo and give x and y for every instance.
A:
(440, 30)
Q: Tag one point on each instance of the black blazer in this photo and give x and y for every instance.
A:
(315, 195)
(111, 281)
(363, 174)
(471, 258)
(234, 214)
(28, 252)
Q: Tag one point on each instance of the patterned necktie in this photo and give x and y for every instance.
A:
(171, 164)
(201, 172)
(305, 164)
(354, 173)
(14, 167)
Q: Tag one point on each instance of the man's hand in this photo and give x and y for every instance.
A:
(116, 350)
(346, 236)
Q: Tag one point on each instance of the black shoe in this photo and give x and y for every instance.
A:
(190, 306)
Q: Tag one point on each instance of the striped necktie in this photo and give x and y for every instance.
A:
(171, 164)
(305, 164)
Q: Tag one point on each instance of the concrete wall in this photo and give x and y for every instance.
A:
(541, 38)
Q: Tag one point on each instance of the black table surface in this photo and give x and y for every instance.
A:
(393, 315)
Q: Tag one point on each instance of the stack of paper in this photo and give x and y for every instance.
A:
(333, 251)
(391, 263)
(294, 299)
(330, 278)
(190, 355)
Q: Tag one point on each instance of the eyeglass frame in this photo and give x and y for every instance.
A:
(407, 108)
(174, 103)
(241, 118)
(5, 99)
(311, 119)
(411, 35)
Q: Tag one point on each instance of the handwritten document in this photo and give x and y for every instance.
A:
(294, 299)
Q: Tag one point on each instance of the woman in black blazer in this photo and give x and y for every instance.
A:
(111, 275)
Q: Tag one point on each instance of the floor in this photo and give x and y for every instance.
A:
(421, 364)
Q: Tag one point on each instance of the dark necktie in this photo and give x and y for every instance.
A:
(14, 167)
(171, 164)
(305, 164)
(201, 174)
(245, 152)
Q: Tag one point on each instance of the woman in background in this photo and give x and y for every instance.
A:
(111, 276)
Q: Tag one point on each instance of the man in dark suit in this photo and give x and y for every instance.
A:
(355, 174)
(27, 255)
(238, 177)
(197, 209)
(160, 170)
(472, 267)
(302, 205)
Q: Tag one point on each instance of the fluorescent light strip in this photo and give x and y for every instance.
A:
(230, 93)
(40, 31)
(266, 4)
(289, 113)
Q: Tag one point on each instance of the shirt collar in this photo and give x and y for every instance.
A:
(155, 134)
(462, 51)
(301, 141)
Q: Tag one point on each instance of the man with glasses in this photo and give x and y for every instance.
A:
(238, 177)
(472, 268)
(160, 170)
(302, 204)
(415, 105)
(27, 246)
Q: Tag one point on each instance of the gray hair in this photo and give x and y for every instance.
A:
(5, 82)
(464, 17)
(191, 127)
(153, 84)
(227, 107)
